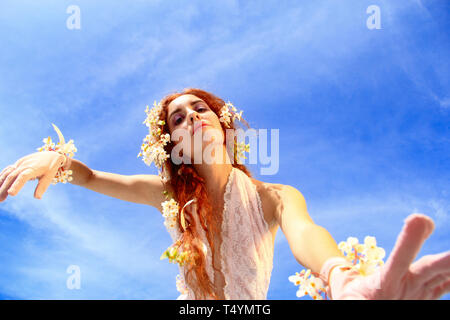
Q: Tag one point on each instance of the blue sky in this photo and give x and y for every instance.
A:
(363, 116)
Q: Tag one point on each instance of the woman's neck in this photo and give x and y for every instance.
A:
(215, 175)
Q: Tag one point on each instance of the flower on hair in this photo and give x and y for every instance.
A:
(170, 212)
(365, 259)
(309, 284)
(241, 147)
(176, 254)
(181, 285)
(227, 116)
(68, 149)
(152, 148)
(228, 113)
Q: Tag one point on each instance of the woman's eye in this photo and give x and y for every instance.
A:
(178, 121)
(201, 109)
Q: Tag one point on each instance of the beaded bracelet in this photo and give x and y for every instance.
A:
(66, 149)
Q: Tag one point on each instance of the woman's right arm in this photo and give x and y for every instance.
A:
(143, 188)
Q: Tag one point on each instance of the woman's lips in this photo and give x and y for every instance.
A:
(202, 125)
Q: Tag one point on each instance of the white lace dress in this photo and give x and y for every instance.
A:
(246, 259)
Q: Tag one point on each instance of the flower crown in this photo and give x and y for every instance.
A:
(152, 148)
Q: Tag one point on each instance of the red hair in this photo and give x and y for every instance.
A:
(186, 185)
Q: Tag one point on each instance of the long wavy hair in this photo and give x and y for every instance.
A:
(186, 185)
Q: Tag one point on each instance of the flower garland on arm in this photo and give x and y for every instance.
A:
(66, 149)
(363, 258)
(152, 150)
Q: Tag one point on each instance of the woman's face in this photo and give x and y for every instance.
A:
(190, 117)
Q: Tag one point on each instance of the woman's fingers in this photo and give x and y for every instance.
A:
(22, 178)
(43, 185)
(4, 170)
(438, 281)
(416, 230)
(14, 166)
(430, 266)
(8, 179)
(441, 290)
(5, 173)
(42, 165)
(47, 179)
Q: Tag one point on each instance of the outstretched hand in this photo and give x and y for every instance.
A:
(41, 165)
(399, 278)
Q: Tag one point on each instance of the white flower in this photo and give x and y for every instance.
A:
(308, 284)
(227, 116)
(344, 247)
(48, 146)
(365, 257)
(370, 241)
(297, 279)
(352, 241)
(152, 148)
(170, 212)
(68, 148)
(301, 293)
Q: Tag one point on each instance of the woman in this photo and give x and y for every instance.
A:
(225, 221)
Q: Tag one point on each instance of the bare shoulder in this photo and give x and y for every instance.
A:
(271, 195)
(276, 196)
(275, 192)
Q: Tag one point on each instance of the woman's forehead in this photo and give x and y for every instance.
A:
(181, 101)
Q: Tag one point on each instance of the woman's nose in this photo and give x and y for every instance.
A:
(194, 117)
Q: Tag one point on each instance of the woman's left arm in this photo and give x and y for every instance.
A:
(310, 243)
(399, 278)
